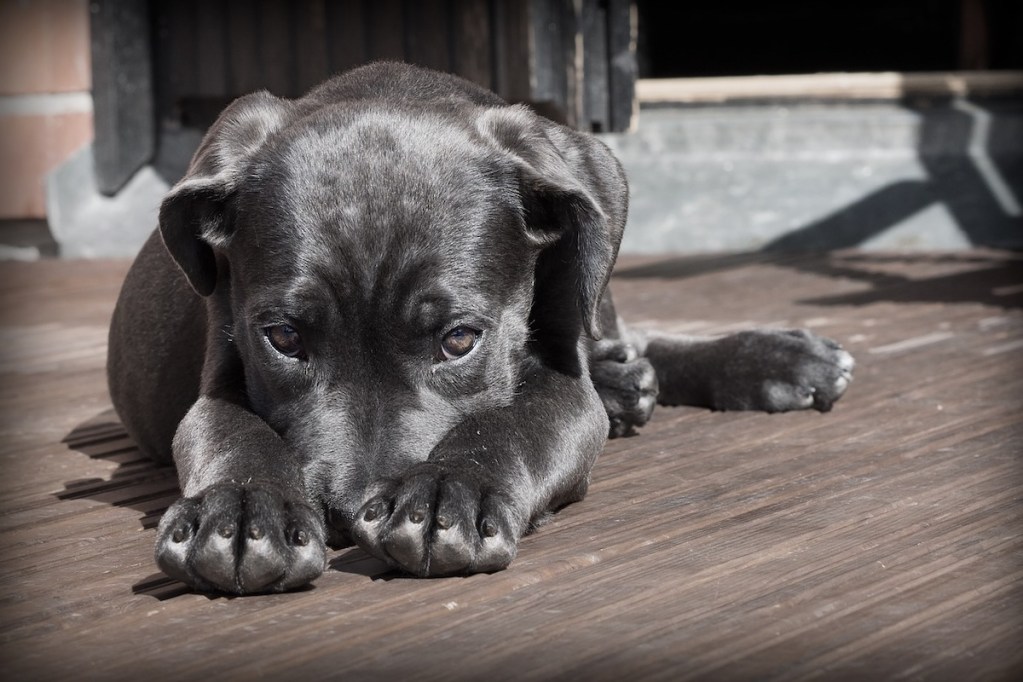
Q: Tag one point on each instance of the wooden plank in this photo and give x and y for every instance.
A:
(875, 542)
(387, 29)
(554, 29)
(310, 44)
(513, 58)
(244, 49)
(471, 40)
(276, 48)
(428, 40)
(211, 22)
(347, 28)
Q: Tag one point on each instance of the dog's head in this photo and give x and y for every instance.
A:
(381, 272)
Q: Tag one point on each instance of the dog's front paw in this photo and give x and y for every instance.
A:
(241, 539)
(782, 370)
(438, 521)
(626, 384)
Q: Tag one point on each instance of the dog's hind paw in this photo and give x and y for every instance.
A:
(436, 521)
(626, 384)
(241, 539)
(780, 371)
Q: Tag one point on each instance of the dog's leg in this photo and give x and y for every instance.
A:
(243, 524)
(155, 351)
(491, 479)
(764, 369)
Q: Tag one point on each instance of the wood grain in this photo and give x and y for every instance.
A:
(879, 541)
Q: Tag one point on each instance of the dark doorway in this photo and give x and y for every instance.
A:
(752, 37)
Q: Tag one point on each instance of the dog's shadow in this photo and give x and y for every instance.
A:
(139, 483)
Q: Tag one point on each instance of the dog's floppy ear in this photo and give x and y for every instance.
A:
(194, 216)
(574, 197)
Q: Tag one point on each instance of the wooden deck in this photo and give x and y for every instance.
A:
(883, 540)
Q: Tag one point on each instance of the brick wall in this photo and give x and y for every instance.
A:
(45, 104)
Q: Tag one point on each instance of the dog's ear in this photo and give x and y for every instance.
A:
(574, 198)
(195, 217)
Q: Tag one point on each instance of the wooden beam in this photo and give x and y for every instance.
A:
(829, 86)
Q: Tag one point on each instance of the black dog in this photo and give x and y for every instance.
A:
(371, 314)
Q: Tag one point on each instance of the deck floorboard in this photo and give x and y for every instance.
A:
(883, 540)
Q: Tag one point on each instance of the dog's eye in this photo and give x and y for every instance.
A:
(285, 340)
(458, 342)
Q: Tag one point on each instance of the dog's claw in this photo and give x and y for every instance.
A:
(488, 528)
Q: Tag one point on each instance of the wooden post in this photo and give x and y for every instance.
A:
(554, 33)
(573, 60)
(470, 43)
(596, 114)
(122, 91)
(623, 69)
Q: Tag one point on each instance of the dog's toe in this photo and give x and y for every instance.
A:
(241, 540)
(781, 371)
(627, 386)
(436, 522)
(844, 360)
(451, 551)
(260, 566)
(406, 546)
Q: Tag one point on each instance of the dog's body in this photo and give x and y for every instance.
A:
(372, 316)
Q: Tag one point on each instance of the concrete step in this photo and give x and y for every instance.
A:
(818, 176)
